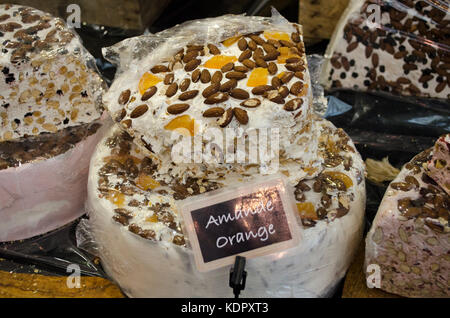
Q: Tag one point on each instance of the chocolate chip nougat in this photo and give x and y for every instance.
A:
(407, 54)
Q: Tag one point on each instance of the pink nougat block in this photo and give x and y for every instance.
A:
(43, 195)
(438, 167)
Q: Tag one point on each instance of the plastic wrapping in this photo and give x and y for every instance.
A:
(399, 47)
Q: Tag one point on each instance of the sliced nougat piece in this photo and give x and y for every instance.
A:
(406, 54)
(438, 167)
(410, 236)
(47, 79)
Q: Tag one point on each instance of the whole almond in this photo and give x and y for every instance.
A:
(283, 91)
(276, 82)
(242, 44)
(235, 75)
(184, 85)
(159, 69)
(195, 76)
(227, 67)
(286, 43)
(299, 75)
(258, 53)
(213, 49)
(229, 85)
(245, 55)
(293, 60)
(268, 47)
(239, 93)
(217, 77)
(257, 39)
(295, 67)
(241, 115)
(172, 89)
(272, 68)
(261, 89)
(124, 97)
(274, 43)
(226, 118)
(375, 59)
(188, 95)
(126, 123)
(274, 96)
(293, 104)
(211, 89)
(149, 93)
(251, 102)
(168, 79)
(190, 56)
(120, 115)
(249, 63)
(260, 62)
(271, 56)
(205, 76)
(213, 112)
(252, 45)
(296, 88)
(192, 65)
(295, 37)
(193, 47)
(215, 98)
(287, 76)
(139, 111)
(177, 108)
(240, 68)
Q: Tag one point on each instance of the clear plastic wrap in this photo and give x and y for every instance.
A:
(393, 46)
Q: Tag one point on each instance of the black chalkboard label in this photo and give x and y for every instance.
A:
(252, 219)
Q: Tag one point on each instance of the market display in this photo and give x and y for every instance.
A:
(410, 236)
(50, 113)
(404, 50)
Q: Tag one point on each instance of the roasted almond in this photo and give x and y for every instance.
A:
(240, 68)
(272, 68)
(271, 56)
(251, 102)
(177, 108)
(299, 75)
(227, 86)
(239, 93)
(257, 39)
(195, 76)
(252, 45)
(149, 93)
(274, 43)
(260, 62)
(124, 97)
(159, 69)
(205, 76)
(192, 65)
(242, 44)
(245, 55)
(283, 91)
(213, 49)
(190, 56)
(139, 111)
(258, 53)
(188, 95)
(211, 89)
(274, 96)
(241, 115)
(293, 60)
(126, 123)
(172, 89)
(375, 59)
(293, 104)
(296, 88)
(295, 37)
(213, 112)
(287, 76)
(168, 79)
(121, 115)
(217, 77)
(215, 98)
(261, 89)
(184, 85)
(268, 47)
(295, 67)
(235, 75)
(227, 67)
(286, 43)
(249, 63)
(226, 118)
(276, 82)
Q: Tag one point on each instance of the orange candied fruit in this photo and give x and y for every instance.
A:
(258, 77)
(307, 210)
(184, 123)
(116, 198)
(230, 41)
(271, 35)
(148, 80)
(145, 182)
(152, 219)
(285, 53)
(340, 176)
(217, 61)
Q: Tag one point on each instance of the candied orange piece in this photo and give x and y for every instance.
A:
(340, 176)
(307, 210)
(148, 80)
(258, 77)
(285, 53)
(230, 41)
(184, 123)
(146, 182)
(116, 198)
(271, 35)
(310, 170)
(153, 218)
(217, 61)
